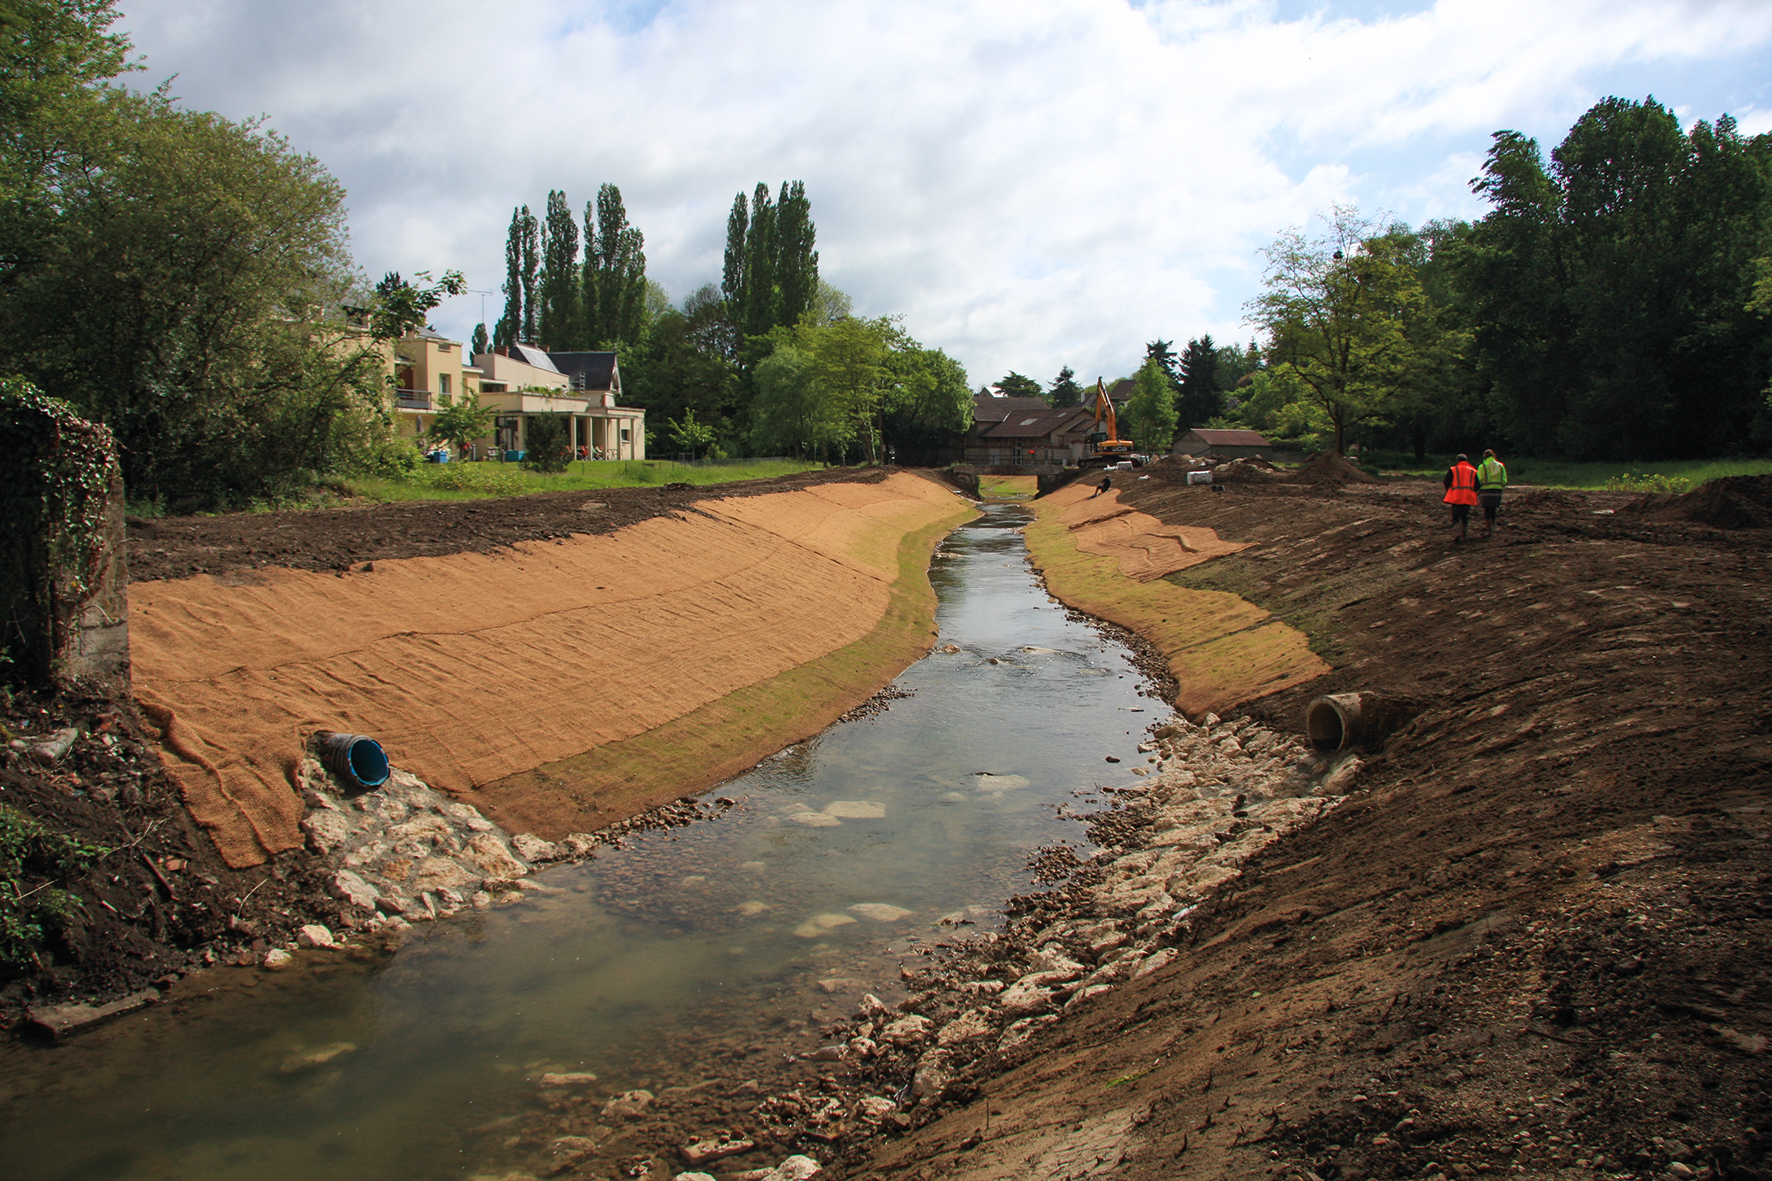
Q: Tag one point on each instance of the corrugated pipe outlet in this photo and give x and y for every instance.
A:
(1344, 721)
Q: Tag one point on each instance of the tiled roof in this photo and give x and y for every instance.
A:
(1218, 438)
(589, 371)
(1038, 424)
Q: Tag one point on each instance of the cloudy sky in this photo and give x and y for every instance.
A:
(1029, 183)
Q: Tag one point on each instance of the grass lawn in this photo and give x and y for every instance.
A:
(476, 481)
(1007, 487)
(1638, 476)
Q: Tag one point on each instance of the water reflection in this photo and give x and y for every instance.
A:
(643, 965)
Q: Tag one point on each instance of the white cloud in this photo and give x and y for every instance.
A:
(1032, 183)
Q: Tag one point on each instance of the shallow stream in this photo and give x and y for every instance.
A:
(685, 954)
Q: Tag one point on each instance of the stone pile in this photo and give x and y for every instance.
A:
(404, 853)
(1211, 796)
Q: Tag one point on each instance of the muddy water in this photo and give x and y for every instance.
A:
(687, 954)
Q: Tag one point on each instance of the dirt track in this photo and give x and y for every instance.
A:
(1534, 942)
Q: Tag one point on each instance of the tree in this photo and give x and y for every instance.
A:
(548, 443)
(558, 320)
(791, 414)
(1150, 412)
(521, 276)
(613, 285)
(770, 273)
(690, 435)
(1016, 385)
(482, 343)
(462, 420)
(1607, 293)
(1064, 390)
(1334, 312)
(1199, 398)
(927, 405)
(399, 307)
(176, 288)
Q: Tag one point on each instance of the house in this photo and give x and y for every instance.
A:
(1026, 432)
(524, 380)
(1230, 444)
(429, 371)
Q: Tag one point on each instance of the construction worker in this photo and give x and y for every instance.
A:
(1491, 482)
(1461, 494)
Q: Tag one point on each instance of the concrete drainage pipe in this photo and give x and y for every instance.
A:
(1343, 721)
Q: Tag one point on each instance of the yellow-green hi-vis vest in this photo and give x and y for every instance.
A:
(1491, 473)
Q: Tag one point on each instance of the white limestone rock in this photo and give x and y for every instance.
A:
(879, 912)
(855, 810)
(532, 848)
(315, 935)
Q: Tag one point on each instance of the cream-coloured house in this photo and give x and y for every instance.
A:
(429, 371)
(523, 380)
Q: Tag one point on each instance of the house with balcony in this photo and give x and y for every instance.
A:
(429, 371)
(523, 380)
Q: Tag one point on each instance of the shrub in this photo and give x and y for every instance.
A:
(1648, 482)
(548, 447)
(32, 905)
(494, 478)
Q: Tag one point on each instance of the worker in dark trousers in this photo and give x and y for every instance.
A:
(1106, 483)
(1491, 483)
(1461, 494)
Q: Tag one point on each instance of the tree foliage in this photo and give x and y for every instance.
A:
(1064, 390)
(1608, 293)
(1334, 311)
(613, 287)
(547, 444)
(1150, 412)
(1019, 385)
(769, 278)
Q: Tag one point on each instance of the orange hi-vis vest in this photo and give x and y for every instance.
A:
(1464, 485)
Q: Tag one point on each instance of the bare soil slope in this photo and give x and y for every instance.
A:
(471, 668)
(1534, 943)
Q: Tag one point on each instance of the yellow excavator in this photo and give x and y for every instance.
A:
(1105, 444)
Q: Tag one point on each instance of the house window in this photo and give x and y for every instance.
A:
(443, 384)
(624, 434)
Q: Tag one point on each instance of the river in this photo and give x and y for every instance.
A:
(647, 965)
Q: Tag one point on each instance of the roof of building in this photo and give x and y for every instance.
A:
(1220, 438)
(1038, 423)
(992, 408)
(588, 371)
(531, 355)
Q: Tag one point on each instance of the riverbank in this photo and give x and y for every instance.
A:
(438, 628)
(1534, 938)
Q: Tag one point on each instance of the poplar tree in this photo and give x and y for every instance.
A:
(796, 268)
(510, 325)
(761, 243)
(558, 319)
(613, 286)
(530, 252)
(770, 277)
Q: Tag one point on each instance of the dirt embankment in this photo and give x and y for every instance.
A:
(481, 642)
(1533, 942)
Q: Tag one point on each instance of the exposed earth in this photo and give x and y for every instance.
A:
(1533, 941)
